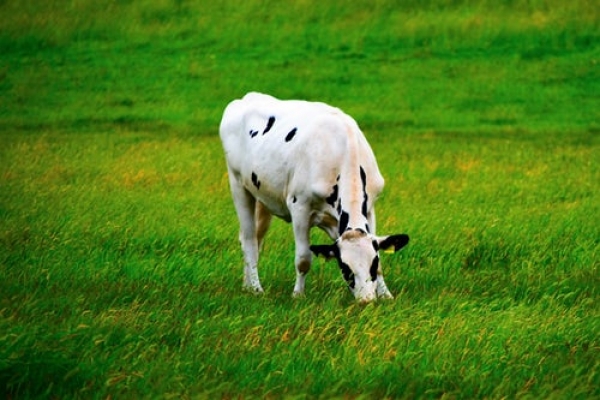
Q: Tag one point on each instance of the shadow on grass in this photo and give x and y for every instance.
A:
(42, 374)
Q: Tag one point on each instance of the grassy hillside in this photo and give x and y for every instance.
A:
(454, 67)
(120, 270)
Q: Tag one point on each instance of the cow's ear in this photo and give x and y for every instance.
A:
(393, 243)
(326, 250)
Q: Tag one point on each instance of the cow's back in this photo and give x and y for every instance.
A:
(282, 149)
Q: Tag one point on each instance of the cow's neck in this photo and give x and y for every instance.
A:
(352, 208)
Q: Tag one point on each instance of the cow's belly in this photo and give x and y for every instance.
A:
(272, 193)
(322, 216)
(278, 191)
(275, 205)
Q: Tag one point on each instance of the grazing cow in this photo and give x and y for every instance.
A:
(307, 163)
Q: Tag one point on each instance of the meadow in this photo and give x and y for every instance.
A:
(120, 268)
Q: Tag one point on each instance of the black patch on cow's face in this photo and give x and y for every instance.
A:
(253, 133)
(333, 251)
(339, 208)
(374, 268)
(270, 123)
(347, 273)
(294, 199)
(344, 219)
(255, 181)
(375, 245)
(333, 196)
(291, 134)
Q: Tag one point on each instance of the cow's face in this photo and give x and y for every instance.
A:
(356, 252)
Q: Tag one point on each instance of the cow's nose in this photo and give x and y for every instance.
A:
(366, 297)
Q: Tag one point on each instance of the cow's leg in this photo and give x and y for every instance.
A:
(245, 207)
(301, 224)
(263, 221)
(382, 290)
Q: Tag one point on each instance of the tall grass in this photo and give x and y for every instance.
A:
(120, 271)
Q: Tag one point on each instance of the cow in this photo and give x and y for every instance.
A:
(307, 163)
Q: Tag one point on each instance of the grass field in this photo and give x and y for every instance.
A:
(120, 269)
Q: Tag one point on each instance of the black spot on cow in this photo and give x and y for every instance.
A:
(344, 219)
(363, 178)
(374, 268)
(255, 181)
(339, 208)
(367, 228)
(294, 199)
(270, 123)
(333, 196)
(291, 134)
(253, 133)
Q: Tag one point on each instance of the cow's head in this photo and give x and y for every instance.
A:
(356, 252)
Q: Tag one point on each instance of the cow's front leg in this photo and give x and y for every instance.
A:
(382, 291)
(250, 249)
(301, 224)
(245, 208)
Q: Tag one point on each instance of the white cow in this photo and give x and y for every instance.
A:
(307, 163)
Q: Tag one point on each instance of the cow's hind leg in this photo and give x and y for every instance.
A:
(245, 207)
(263, 222)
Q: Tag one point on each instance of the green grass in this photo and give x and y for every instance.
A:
(120, 270)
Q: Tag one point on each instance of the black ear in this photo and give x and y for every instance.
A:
(326, 250)
(393, 242)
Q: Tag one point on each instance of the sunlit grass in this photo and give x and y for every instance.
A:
(130, 271)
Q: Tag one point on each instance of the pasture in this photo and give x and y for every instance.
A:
(120, 268)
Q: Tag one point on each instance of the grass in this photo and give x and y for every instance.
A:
(120, 271)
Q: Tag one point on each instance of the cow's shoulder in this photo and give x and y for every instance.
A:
(251, 101)
(256, 97)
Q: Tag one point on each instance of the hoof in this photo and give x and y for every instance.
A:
(385, 296)
(298, 295)
(253, 290)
